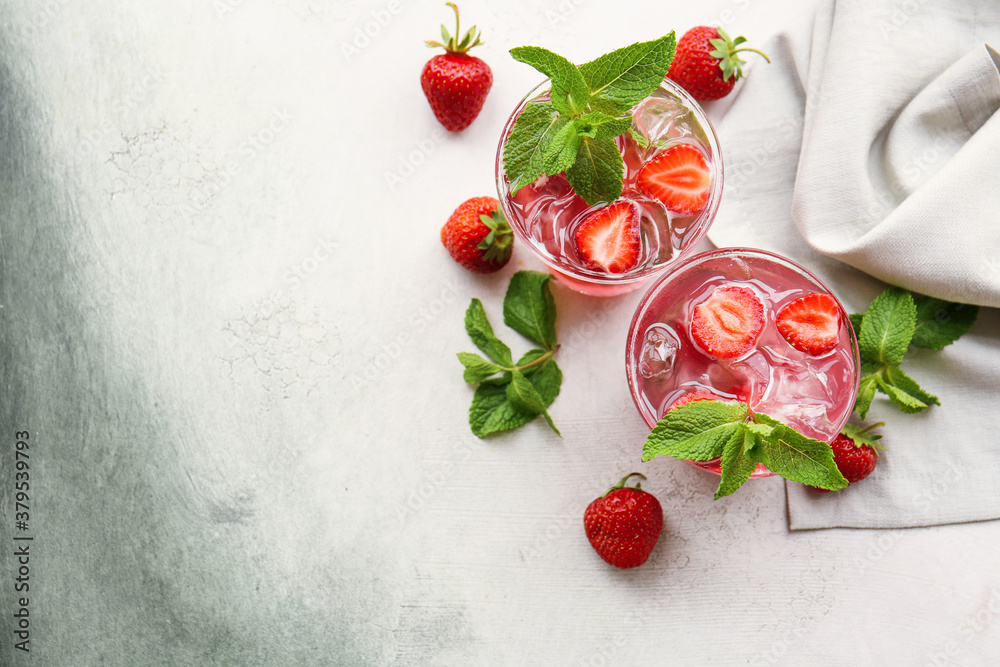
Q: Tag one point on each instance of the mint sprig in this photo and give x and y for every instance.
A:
(588, 106)
(509, 395)
(895, 322)
(728, 430)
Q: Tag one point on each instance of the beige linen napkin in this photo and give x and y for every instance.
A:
(869, 151)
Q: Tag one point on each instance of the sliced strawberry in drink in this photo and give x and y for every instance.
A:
(679, 178)
(691, 396)
(703, 395)
(728, 323)
(811, 323)
(608, 239)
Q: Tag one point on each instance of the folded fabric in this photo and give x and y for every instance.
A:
(868, 151)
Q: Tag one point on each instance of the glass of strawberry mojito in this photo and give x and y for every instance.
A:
(672, 185)
(744, 325)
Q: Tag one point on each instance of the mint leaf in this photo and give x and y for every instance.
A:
(528, 307)
(492, 410)
(798, 458)
(492, 413)
(597, 174)
(570, 92)
(696, 431)
(523, 395)
(481, 332)
(866, 393)
(547, 380)
(560, 153)
(900, 397)
(941, 323)
(527, 145)
(621, 79)
(739, 459)
(600, 125)
(856, 319)
(477, 369)
(888, 326)
(895, 376)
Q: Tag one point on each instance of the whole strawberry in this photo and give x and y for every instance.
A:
(624, 524)
(478, 236)
(454, 82)
(855, 451)
(706, 63)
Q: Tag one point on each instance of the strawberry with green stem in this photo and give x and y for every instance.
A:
(456, 83)
(856, 452)
(477, 235)
(624, 524)
(707, 64)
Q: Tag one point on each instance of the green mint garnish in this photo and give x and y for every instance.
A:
(509, 395)
(621, 79)
(589, 106)
(705, 430)
(896, 321)
(941, 323)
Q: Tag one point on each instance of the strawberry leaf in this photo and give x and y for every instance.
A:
(862, 435)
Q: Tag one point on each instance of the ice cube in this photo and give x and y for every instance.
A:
(748, 376)
(800, 397)
(659, 351)
(655, 117)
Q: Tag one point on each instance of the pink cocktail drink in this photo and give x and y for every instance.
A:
(669, 130)
(808, 387)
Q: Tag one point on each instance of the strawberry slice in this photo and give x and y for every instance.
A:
(679, 178)
(728, 323)
(811, 323)
(608, 239)
(691, 396)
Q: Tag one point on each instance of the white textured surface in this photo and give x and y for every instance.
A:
(233, 344)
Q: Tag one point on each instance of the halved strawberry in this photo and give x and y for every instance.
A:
(728, 323)
(679, 178)
(608, 239)
(811, 323)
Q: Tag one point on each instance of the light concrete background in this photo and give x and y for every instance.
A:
(229, 328)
